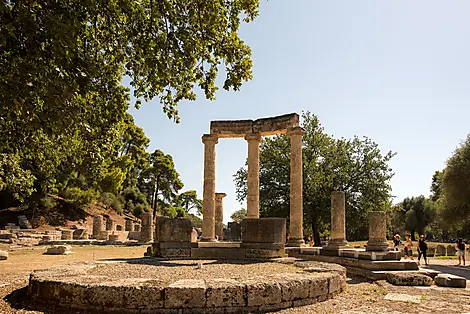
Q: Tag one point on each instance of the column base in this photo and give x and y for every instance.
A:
(377, 245)
(295, 243)
(208, 240)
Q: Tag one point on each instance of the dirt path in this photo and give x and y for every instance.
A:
(360, 296)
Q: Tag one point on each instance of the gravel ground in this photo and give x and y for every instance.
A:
(360, 296)
(171, 271)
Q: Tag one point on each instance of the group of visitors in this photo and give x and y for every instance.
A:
(423, 247)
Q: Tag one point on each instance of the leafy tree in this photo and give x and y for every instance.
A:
(160, 181)
(239, 215)
(455, 197)
(188, 201)
(355, 166)
(436, 185)
(413, 214)
(61, 67)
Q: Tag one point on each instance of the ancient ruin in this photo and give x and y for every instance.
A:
(252, 131)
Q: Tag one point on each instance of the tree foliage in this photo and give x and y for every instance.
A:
(63, 116)
(239, 215)
(355, 166)
(455, 189)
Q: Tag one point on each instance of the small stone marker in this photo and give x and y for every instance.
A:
(440, 250)
(59, 250)
(3, 255)
(451, 250)
(403, 297)
(448, 280)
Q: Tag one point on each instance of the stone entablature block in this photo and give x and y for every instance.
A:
(263, 126)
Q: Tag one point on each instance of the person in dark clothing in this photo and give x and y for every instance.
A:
(396, 242)
(422, 249)
(461, 251)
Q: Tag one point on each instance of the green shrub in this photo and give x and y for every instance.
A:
(80, 198)
(139, 209)
(48, 202)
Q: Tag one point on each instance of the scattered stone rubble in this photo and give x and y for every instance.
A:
(59, 250)
(3, 255)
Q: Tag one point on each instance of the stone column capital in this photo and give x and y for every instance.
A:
(253, 137)
(297, 130)
(220, 195)
(210, 138)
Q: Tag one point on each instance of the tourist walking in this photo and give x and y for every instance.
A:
(396, 242)
(461, 251)
(422, 249)
(408, 247)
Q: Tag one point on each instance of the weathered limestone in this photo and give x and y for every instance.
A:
(408, 279)
(208, 222)
(219, 215)
(3, 255)
(113, 237)
(338, 221)
(66, 235)
(146, 235)
(129, 226)
(451, 250)
(59, 250)
(109, 224)
(137, 227)
(252, 201)
(296, 211)
(448, 280)
(440, 250)
(173, 237)
(97, 226)
(377, 232)
(186, 293)
(80, 234)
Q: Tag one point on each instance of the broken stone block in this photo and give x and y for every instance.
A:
(59, 250)
(3, 255)
(408, 279)
(448, 280)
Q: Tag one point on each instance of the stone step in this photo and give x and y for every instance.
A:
(448, 280)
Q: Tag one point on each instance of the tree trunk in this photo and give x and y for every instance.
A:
(413, 235)
(154, 196)
(315, 231)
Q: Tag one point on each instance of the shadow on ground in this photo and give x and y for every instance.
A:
(454, 270)
(174, 262)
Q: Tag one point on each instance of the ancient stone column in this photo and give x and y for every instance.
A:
(97, 226)
(109, 224)
(208, 203)
(219, 215)
(148, 228)
(129, 226)
(296, 211)
(338, 221)
(252, 200)
(377, 232)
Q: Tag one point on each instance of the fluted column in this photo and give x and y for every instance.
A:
(219, 215)
(208, 203)
(252, 202)
(296, 211)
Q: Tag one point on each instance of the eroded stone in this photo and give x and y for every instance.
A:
(186, 293)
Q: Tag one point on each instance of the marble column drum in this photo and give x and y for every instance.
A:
(252, 202)
(377, 232)
(296, 211)
(219, 215)
(338, 221)
(208, 203)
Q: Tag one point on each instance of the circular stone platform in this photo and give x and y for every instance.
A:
(182, 286)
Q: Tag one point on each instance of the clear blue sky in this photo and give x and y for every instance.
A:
(395, 71)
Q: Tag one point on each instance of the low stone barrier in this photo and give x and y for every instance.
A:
(71, 287)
